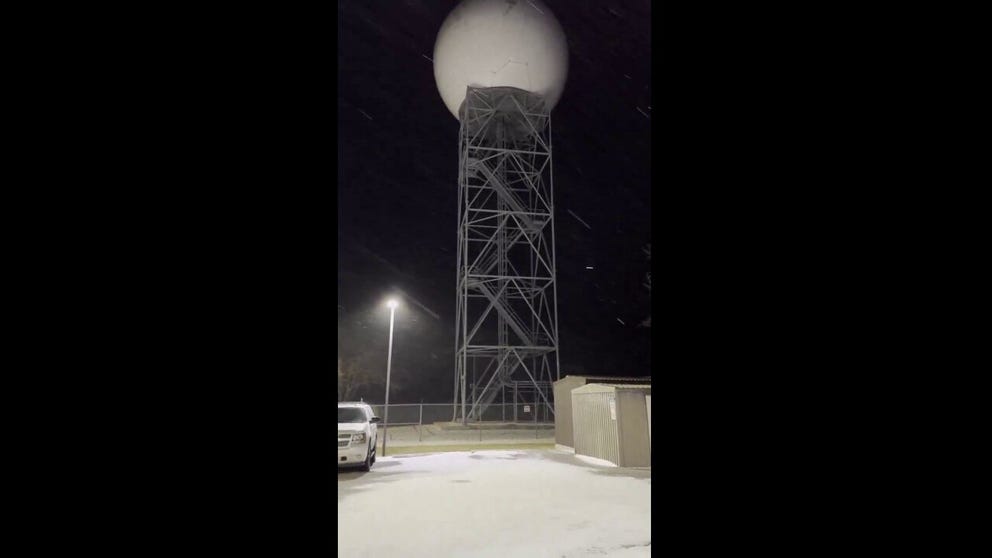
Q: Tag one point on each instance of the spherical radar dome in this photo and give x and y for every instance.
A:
(500, 43)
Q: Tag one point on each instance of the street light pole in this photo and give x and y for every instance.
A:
(389, 366)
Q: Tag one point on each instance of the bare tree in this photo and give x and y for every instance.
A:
(354, 374)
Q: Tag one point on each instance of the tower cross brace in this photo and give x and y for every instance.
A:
(506, 319)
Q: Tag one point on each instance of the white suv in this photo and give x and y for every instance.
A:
(357, 435)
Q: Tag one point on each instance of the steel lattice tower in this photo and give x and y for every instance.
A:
(506, 325)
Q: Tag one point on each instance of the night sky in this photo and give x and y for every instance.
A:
(397, 192)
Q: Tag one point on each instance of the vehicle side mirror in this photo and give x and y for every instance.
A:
(375, 420)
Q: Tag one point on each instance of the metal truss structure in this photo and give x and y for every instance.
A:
(506, 325)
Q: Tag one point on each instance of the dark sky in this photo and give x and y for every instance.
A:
(397, 191)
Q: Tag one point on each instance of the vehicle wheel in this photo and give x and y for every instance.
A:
(368, 460)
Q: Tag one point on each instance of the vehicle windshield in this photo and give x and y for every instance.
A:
(351, 414)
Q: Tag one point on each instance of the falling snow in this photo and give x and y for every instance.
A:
(535, 7)
(579, 219)
(397, 195)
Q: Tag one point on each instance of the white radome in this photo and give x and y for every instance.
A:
(500, 43)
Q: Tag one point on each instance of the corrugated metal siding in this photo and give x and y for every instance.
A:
(595, 432)
(635, 442)
(647, 401)
(563, 417)
(563, 409)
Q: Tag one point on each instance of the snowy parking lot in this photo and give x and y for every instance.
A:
(511, 503)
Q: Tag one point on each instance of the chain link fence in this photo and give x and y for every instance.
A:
(413, 424)
(409, 414)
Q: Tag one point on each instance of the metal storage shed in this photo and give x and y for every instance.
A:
(563, 401)
(611, 423)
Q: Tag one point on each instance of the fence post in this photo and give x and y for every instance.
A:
(420, 426)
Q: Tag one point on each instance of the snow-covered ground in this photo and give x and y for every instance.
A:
(504, 504)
